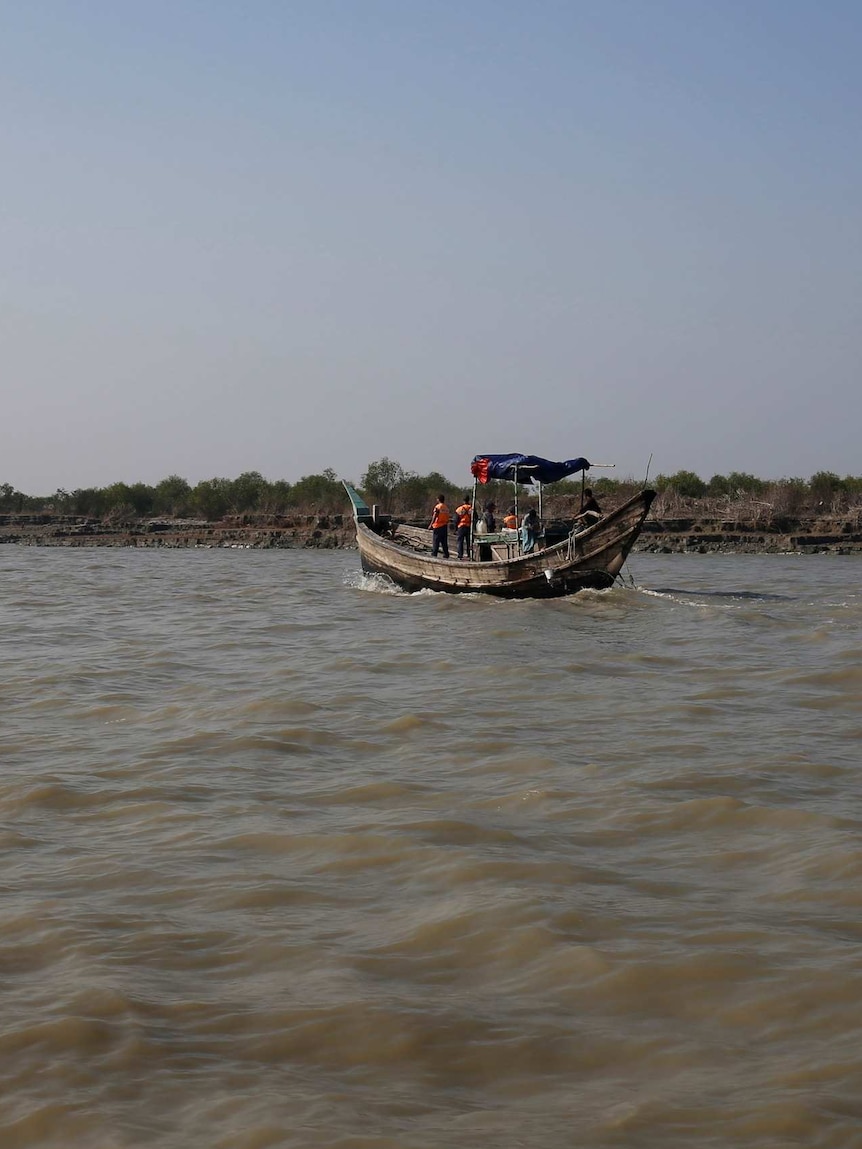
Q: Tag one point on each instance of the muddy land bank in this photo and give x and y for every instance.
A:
(693, 534)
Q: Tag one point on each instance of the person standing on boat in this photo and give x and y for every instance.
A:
(590, 511)
(464, 521)
(530, 528)
(510, 520)
(490, 527)
(439, 526)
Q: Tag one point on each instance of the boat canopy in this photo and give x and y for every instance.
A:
(524, 468)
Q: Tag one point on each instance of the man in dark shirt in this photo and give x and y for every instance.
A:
(490, 522)
(590, 511)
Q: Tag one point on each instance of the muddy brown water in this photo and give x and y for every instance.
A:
(292, 859)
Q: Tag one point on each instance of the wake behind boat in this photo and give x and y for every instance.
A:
(587, 558)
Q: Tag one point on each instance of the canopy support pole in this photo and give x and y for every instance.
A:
(517, 520)
(472, 519)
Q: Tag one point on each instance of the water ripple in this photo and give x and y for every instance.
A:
(294, 859)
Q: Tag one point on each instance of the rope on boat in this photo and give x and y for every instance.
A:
(626, 578)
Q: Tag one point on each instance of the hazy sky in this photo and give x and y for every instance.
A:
(284, 236)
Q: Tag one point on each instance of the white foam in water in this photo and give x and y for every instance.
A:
(376, 583)
(680, 601)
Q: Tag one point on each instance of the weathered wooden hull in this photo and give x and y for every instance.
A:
(591, 559)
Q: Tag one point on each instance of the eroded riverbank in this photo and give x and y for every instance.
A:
(661, 536)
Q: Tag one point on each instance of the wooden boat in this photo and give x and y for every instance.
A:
(580, 559)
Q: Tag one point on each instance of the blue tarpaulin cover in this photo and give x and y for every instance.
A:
(524, 468)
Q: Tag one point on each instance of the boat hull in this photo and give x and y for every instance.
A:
(591, 559)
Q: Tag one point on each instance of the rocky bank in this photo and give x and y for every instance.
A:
(288, 531)
(775, 536)
(665, 536)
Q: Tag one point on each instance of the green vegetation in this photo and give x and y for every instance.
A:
(824, 494)
(396, 490)
(174, 497)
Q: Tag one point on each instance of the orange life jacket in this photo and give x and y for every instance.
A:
(464, 513)
(441, 516)
(510, 521)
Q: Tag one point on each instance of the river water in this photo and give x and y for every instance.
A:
(291, 859)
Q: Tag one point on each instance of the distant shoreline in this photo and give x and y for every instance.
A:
(273, 532)
(335, 532)
(720, 536)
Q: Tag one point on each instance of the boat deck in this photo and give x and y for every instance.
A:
(502, 546)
